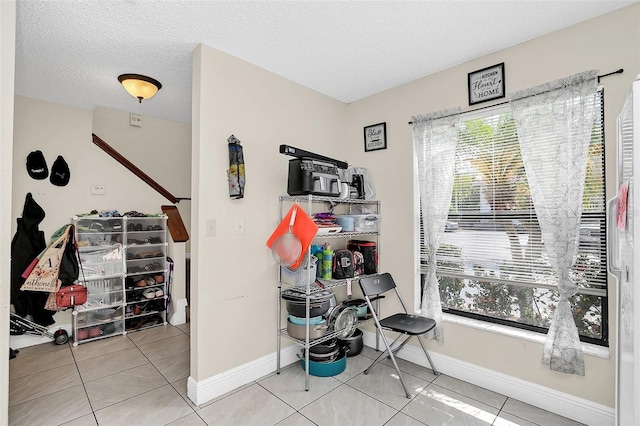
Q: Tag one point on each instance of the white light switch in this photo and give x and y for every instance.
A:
(136, 120)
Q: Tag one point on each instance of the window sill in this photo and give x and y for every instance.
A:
(587, 348)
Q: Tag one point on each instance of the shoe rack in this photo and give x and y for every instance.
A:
(125, 271)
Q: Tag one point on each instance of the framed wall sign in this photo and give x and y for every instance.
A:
(375, 137)
(486, 84)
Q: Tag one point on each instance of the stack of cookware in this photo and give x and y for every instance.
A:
(325, 358)
(319, 303)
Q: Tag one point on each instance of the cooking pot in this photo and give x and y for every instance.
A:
(359, 304)
(319, 303)
(299, 309)
(299, 331)
(302, 321)
(353, 343)
(324, 352)
(326, 369)
(325, 347)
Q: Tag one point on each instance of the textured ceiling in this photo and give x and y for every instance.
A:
(71, 51)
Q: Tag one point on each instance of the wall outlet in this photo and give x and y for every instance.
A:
(98, 190)
(136, 120)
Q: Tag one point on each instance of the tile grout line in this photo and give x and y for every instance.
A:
(163, 376)
(46, 394)
(93, 413)
(132, 368)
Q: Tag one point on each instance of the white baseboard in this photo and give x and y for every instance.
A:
(572, 407)
(179, 316)
(220, 384)
(26, 340)
(578, 409)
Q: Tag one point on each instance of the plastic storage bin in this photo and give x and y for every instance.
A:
(299, 277)
(366, 222)
(346, 222)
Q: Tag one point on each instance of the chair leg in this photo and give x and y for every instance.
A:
(424, 348)
(393, 359)
(395, 364)
(401, 345)
(379, 358)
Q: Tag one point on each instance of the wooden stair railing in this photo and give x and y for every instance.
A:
(174, 220)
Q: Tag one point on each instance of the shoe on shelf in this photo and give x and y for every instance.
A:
(155, 266)
(149, 293)
(117, 314)
(159, 292)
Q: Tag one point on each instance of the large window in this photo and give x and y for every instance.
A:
(492, 264)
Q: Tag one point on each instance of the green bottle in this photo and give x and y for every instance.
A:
(327, 262)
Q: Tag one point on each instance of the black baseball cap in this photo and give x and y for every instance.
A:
(37, 165)
(60, 173)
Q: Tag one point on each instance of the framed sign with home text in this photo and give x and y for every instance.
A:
(486, 84)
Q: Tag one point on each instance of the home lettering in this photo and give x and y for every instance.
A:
(486, 87)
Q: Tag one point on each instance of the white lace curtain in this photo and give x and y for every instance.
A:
(554, 123)
(435, 137)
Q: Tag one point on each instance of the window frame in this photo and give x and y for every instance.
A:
(600, 216)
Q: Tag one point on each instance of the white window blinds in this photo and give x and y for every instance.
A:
(492, 233)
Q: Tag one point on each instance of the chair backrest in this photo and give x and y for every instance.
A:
(377, 284)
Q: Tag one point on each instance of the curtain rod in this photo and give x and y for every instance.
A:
(619, 71)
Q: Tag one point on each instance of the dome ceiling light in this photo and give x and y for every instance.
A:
(139, 86)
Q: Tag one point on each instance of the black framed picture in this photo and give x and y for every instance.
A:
(486, 84)
(375, 137)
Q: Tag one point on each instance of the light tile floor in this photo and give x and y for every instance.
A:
(141, 379)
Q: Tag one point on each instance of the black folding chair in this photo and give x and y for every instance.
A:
(405, 324)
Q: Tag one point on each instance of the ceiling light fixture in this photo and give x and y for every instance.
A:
(139, 86)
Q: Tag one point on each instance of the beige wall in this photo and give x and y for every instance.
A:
(7, 62)
(161, 149)
(57, 129)
(235, 273)
(606, 43)
(233, 276)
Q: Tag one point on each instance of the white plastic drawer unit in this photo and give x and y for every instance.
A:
(101, 292)
(99, 231)
(145, 230)
(102, 261)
